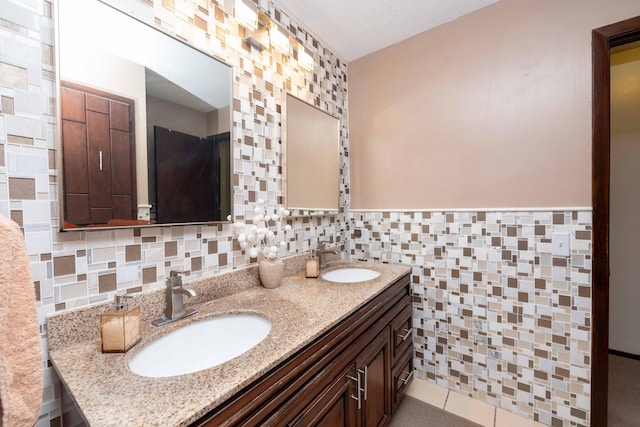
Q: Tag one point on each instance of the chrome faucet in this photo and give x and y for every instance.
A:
(322, 251)
(174, 309)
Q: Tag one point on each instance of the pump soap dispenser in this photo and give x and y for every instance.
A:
(312, 266)
(120, 327)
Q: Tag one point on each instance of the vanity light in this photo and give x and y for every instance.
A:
(305, 60)
(246, 16)
(259, 38)
(279, 40)
(265, 34)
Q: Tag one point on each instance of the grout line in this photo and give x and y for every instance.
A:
(446, 399)
(495, 409)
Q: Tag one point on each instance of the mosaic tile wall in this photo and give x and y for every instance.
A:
(496, 316)
(73, 269)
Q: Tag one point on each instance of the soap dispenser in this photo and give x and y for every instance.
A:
(120, 327)
(312, 266)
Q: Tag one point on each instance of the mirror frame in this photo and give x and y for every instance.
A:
(306, 212)
(59, 165)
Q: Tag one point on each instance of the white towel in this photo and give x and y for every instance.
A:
(20, 345)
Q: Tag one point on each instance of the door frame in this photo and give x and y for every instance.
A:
(603, 39)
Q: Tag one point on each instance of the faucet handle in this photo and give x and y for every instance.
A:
(175, 279)
(176, 273)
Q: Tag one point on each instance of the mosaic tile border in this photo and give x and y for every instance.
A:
(496, 315)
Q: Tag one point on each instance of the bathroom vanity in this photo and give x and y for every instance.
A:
(337, 354)
(354, 374)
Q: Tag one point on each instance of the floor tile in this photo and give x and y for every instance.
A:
(624, 391)
(509, 419)
(428, 392)
(474, 410)
(415, 413)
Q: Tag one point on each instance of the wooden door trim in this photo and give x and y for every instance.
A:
(603, 39)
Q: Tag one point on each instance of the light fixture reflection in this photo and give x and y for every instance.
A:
(259, 38)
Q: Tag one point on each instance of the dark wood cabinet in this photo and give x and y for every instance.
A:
(98, 155)
(353, 375)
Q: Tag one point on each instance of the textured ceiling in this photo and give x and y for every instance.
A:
(355, 28)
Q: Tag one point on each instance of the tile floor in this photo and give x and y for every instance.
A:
(466, 407)
(624, 391)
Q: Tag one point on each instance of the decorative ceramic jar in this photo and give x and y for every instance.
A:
(271, 272)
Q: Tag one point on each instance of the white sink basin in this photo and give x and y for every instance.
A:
(200, 345)
(350, 275)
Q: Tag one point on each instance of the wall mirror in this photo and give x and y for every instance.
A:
(144, 123)
(312, 166)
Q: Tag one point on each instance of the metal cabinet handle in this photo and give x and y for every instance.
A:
(406, 335)
(100, 156)
(365, 380)
(406, 379)
(358, 389)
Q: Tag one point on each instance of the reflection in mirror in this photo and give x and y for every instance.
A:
(145, 123)
(312, 140)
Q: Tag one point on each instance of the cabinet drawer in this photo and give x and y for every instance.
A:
(402, 375)
(401, 332)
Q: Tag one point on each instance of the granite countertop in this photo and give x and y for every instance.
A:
(301, 309)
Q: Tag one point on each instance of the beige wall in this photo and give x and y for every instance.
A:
(492, 110)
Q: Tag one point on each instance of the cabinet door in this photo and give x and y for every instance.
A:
(374, 370)
(335, 407)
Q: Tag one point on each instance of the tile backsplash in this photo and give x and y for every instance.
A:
(496, 316)
(74, 269)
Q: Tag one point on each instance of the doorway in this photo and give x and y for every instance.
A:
(603, 39)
